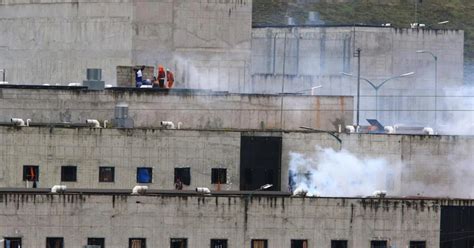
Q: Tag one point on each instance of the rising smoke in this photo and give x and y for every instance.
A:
(340, 173)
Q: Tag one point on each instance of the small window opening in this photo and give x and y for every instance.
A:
(106, 174)
(182, 175)
(259, 243)
(54, 242)
(218, 243)
(137, 243)
(98, 242)
(338, 243)
(144, 175)
(417, 244)
(179, 243)
(300, 243)
(69, 173)
(378, 244)
(12, 242)
(219, 176)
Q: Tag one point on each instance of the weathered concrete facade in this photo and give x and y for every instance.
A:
(313, 56)
(239, 219)
(54, 42)
(195, 109)
(424, 165)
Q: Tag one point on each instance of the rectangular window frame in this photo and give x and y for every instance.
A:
(143, 242)
(219, 176)
(150, 173)
(295, 243)
(103, 176)
(96, 241)
(339, 243)
(417, 244)
(185, 240)
(373, 244)
(219, 243)
(68, 178)
(27, 173)
(10, 239)
(50, 239)
(183, 174)
(265, 243)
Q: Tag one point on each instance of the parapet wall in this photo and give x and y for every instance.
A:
(239, 219)
(195, 109)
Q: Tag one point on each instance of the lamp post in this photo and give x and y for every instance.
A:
(436, 82)
(377, 87)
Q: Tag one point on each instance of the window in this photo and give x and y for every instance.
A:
(68, 173)
(54, 242)
(137, 243)
(218, 176)
(299, 243)
(259, 243)
(218, 243)
(144, 175)
(182, 175)
(99, 242)
(338, 243)
(378, 244)
(31, 173)
(12, 242)
(106, 174)
(179, 243)
(417, 244)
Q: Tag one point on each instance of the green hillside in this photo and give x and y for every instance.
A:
(459, 13)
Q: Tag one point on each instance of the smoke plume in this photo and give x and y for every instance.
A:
(339, 173)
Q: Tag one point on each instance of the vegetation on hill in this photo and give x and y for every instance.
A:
(400, 13)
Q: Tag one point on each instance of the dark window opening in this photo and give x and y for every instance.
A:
(106, 174)
(218, 176)
(417, 244)
(260, 162)
(299, 243)
(31, 173)
(218, 243)
(378, 244)
(12, 242)
(259, 243)
(68, 173)
(98, 242)
(182, 175)
(144, 175)
(179, 243)
(54, 242)
(457, 227)
(338, 243)
(137, 243)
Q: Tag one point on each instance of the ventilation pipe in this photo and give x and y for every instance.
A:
(389, 129)
(96, 123)
(350, 129)
(58, 189)
(167, 124)
(139, 190)
(105, 123)
(428, 131)
(179, 125)
(18, 122)
(203, 190)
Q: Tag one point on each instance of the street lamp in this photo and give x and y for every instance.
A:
(436, 81)
(377, 87)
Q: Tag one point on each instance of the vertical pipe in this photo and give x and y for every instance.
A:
(274, 53)
(358, 87)
(436, 90)
(376, 104)
(283, 82)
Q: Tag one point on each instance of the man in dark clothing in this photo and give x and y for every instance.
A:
(161, 77)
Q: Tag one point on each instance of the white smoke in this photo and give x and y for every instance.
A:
(339, 173)
(458, 117)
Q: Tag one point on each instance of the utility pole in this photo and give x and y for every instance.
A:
(357, 54)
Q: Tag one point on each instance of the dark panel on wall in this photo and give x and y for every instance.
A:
(260, 162)
(457, 227)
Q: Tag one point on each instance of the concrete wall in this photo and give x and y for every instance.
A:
(317, 56)
(195, 109)
(423, 165)
(123, 149)
(236, 218)
(54, 42)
